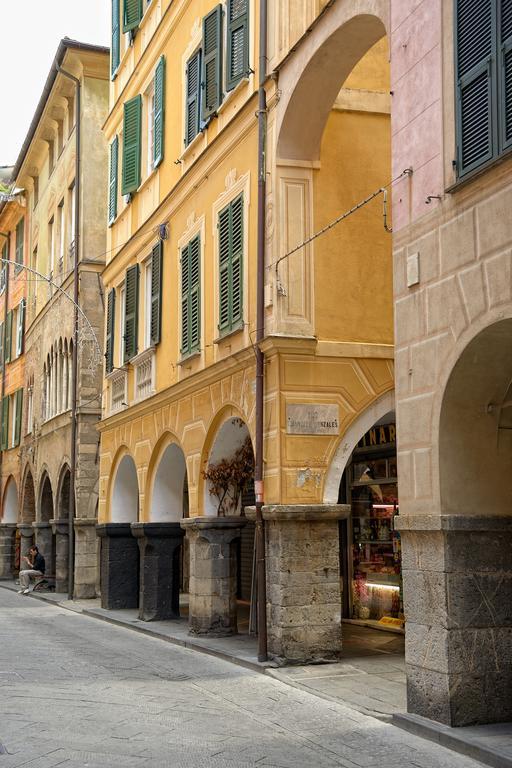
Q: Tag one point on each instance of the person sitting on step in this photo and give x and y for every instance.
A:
(36, 568)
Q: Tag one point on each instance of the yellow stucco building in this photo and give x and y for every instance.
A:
(181, 285)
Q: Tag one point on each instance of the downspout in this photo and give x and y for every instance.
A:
(74, 360)
(261, 575)
(2, 362)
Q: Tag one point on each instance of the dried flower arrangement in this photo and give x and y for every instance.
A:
(229, 478)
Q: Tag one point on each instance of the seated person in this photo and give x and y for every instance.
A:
(36, 568)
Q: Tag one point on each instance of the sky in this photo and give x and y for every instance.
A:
(31, 31)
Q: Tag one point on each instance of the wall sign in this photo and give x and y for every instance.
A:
(311, 419)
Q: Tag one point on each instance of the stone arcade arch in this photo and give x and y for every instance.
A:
(119, 553)
(228, 439)
(28, 512)
(8, 529)
(44, 535)
(61, 531)
(168, 495)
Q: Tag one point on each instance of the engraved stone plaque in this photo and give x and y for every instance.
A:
(311, 419)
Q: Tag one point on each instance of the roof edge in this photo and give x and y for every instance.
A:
(65, 44)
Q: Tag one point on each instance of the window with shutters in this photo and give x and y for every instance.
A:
(131, 145)
(483, 58)
(110, 331)
(8, 337)
(132, 14)
(147, 302)
(158, 114)
(156, 294)
(20, 236)
(3, 266)
(115, 49)
(20, 327)
(2, 345)
(149, 107)
(231, 245)
(191, 297)
(16, 410)
(237, 43)
(112, 184)
(211, 72)
(131, 312)
(192, 98)
(5, 424)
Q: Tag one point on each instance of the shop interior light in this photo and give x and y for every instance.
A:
(392, 587)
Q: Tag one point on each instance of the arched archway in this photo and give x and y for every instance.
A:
(28, 501)
(44, 535)
(475, 428)
(46, 510)
(10, 504)
(61, 531)
(231, 442)
(169, 491)
(63, 493)
(124, 507)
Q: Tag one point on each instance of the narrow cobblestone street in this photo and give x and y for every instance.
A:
(78, 692)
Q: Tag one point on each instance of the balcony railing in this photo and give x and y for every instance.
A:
(118, 381)
(144, 366)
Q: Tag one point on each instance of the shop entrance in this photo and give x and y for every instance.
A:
(370, 551)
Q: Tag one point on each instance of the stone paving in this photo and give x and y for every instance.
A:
(79, 692)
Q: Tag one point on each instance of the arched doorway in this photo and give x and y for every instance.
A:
(61, 531)
(28, 518)
(44, 535)
(119, 551)
(8, 530)
(228, 489)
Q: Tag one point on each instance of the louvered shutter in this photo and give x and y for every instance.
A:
(132, 14)
(5, 423)
(237, 54)
(159, 121)
(112, 186)
(191, 296)
(131, 312)
(475, 28)
(131, 145)
(156, 292)
(192, 106)
(21, 328)
(109, 341)
(211, 75)
(505, 71)
(8, 337)
(115, 50)
(231, 240)
(1, 346)
(19, 412)
(20, 235)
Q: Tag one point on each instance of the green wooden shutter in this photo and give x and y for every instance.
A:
(192, 105)
(1, 346)
(231, 240)
(131, 312)
(19, 412)
(5, 423)
(476, 128)
(115, 50)
(211, 74)
(237, 54)
(112, 186)
(8, 337)
(20, 234)
(109, 341)
(191, 297)
(132, 144)
(156, 293)
(505, 72)
(159, 127)
(132, 14)
(20, 340)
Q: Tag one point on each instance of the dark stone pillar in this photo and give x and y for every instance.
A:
(457, 576)
(44, 541)
(159, 590)
(60, 530)
(119, 566)
(86, 558)
(26, 541)
(213, 556)
(303, 580)
(7, 533)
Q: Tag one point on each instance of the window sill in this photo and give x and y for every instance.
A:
(144, 355)
(229, 334)
(117, 371)
(189, 358)
(194, 144)
(230, 95)
(477, 172)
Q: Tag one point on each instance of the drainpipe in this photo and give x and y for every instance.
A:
(6, 303)
(261, 577)
(74, 360)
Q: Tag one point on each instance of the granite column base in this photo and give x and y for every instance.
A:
(7, 543)
(119, 566)
(159, 589)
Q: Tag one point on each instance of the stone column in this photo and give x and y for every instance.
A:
(7, 532)
(457, 576)
(86, 558)
(119, 566)
(43, 536)
(303, 580)
(159, 588)
(60, 530)
(26, 541)
(212, 608)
